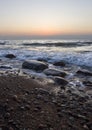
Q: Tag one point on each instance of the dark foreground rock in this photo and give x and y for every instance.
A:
(35, 65)
(11, 56)
(25, 104)
(55, 72)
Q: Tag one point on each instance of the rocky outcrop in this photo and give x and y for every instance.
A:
(34, 65)
(55, 72)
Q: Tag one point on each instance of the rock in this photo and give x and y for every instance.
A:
(42, 59)
(39, 96)
(2, 43)
(60, 81)
(4, 128)
(10, 128)
(22, 107)
(35, 65)
(15, 97)
(55, 72)
(10, 56)
(41, 127)
(59, 63)
(27, 107)
(7, 115)
(87, 83)
(85, 127)
(5, 67)
(89, 125)
(89, 92)
(84, 72)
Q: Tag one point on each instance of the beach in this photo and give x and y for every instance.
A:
(40, 93)
(28, 104)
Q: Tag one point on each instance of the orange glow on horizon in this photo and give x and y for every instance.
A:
(42, 32)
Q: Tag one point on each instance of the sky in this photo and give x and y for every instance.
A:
(45, 19)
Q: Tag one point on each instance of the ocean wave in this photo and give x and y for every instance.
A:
(58, 44)
(81, 59)
(50, 51)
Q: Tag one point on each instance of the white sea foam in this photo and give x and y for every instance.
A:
(75, 52)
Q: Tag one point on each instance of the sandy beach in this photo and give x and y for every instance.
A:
(25, 104)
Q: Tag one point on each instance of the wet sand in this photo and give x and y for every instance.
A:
(26, 104)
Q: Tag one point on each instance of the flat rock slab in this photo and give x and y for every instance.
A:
(55, 72)
(34, 65)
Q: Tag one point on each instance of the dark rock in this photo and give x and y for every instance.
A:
(22, 107)
(4, 128)
(59, 63)
(60, 81)
(89, 124)
(87, 83)
(41, 127)
(38, 107)
(2, 43)
(84, 72)
(42, 91)
(85, 127)
(7, 115)
(42, 59)
(27, 107)
(59, 114)
(10, 128)
(5, 67)
(10, 56)
(55, 72)
(35, 65)
(39, 96)
(15, 97)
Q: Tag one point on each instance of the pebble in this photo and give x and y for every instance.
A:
(10, 128)
(15, 97)
(27, 107)
(85, 127)
(7, 115)
(41, 127)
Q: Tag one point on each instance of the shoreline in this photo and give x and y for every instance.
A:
(26, 103)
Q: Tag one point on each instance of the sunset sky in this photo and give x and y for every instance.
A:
(40, 18)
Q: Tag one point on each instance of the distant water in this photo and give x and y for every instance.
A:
(72, 52)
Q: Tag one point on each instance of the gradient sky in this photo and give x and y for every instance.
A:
(45, 18)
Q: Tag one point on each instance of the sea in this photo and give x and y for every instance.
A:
(73, 52)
